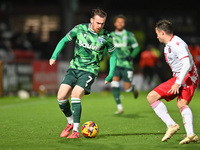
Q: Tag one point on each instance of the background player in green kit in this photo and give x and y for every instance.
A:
(91, 42)
(126, 48)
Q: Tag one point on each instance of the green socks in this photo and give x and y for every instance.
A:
(116, 94)
(76, 109)
(116, 91)
(65, 107)
(73, 116)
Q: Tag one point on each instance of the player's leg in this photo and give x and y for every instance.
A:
(187, 115)
(187, 121)
(63, 101)
(161, 110)
(62, 97)
(83, 85)
(116, 94)
(186, 94)
(76, 95)
(116, 90)
(127, 75)
(128, 87)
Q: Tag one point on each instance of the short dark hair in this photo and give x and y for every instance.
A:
(165, 25)
(119, 16)
(98, 12)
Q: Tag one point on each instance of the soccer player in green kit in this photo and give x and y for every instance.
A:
(126, 48)
(91, 42)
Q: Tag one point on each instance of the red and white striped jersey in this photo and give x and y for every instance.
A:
(176, 50)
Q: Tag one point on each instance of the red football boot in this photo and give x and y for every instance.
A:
(74, 135)
(67, 130)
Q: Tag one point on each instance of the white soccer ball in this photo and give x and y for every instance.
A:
(22, 94)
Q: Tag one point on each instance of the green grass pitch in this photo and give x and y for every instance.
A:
(35, 124)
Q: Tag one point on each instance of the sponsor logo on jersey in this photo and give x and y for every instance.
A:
(124, 38)
(86, 45)
(120, 44)
(100, 39)
(169, 49)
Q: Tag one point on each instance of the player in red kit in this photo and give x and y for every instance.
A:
(182, 85)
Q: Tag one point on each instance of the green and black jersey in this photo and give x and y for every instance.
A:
(126, 47)
(89, 47)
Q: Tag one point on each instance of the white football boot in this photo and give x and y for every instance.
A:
(188, 139)
(120, 111)
(170, 132)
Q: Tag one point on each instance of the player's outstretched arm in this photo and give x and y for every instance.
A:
(113, 61)
(58, 49)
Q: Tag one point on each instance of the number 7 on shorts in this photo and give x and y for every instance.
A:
(90, 79)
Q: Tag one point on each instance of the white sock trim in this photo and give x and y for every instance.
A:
(76, 127)
(115, 84)
(75, 100)
(62, 101)
(119, 107)
(70, 119)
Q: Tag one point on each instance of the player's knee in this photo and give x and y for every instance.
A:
(181, 104)
(62, 94)
(77, 92)
(150, 97)
(60, 97)
(115, 84)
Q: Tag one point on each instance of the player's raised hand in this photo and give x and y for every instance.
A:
(52, 62)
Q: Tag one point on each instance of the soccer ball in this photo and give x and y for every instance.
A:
(90, 129)
(22, 94)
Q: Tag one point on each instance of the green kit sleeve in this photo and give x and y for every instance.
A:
(134, 45)
(113, 61)
(70, 36)
(59, 47)
(135, 51)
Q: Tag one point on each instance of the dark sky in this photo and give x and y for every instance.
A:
(144, 4)
(161, 5)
